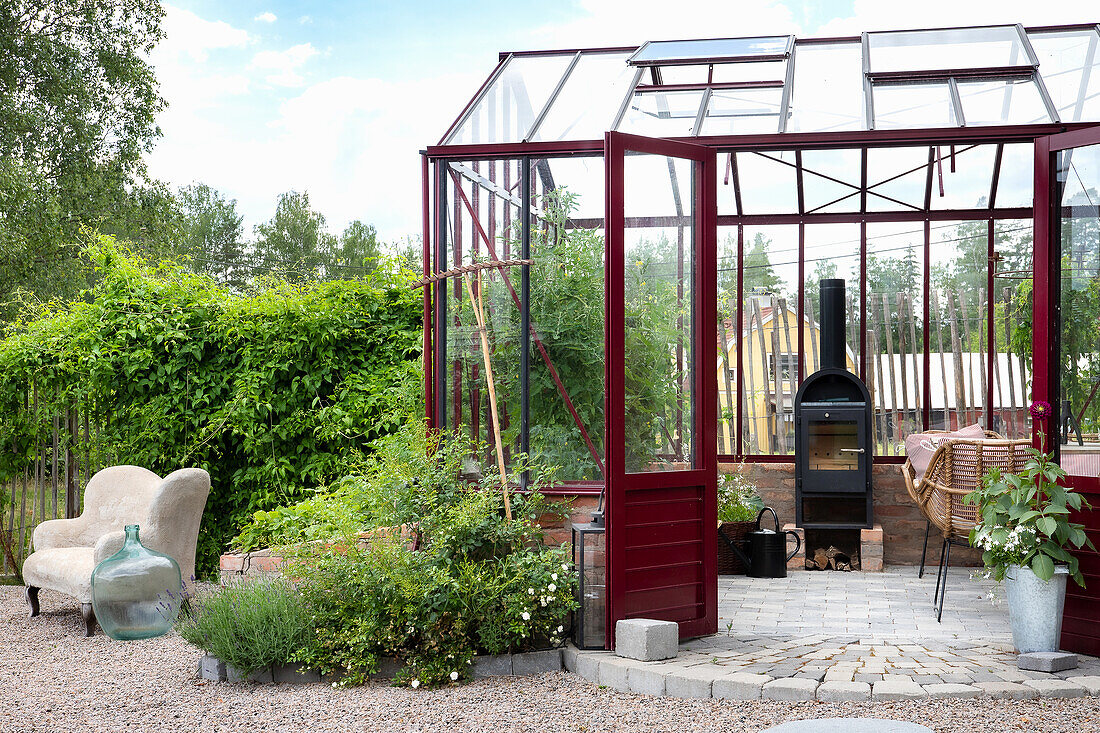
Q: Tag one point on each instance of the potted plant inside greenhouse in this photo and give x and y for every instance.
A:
(738, 505)
(1025, 536)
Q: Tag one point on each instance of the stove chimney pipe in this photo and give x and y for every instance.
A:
(833, 352)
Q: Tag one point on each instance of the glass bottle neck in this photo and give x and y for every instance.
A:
(132, 534)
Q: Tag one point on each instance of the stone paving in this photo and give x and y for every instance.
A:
(846, 636)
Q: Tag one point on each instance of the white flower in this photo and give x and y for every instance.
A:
(414, 684)
(530, 591)
(560, 628)
(551, 587)
(553, 576)
(525, 616)
(334, 684)
(564, 566)
(542, 602)
(454, 676)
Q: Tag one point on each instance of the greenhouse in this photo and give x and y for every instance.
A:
(624, 250)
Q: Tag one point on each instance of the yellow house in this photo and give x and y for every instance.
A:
(770, 341)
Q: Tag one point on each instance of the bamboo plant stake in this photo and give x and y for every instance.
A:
(479, 313)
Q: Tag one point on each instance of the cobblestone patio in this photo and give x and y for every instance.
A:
(846, 636)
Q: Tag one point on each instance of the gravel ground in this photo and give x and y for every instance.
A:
(53, 679)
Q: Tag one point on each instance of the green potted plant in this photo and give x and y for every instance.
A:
(738, 505)
(1025, 536)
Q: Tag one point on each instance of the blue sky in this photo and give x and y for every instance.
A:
(337, 98)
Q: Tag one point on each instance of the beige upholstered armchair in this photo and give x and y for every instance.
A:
(168, 510)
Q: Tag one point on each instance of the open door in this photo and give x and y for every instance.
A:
(1066, 342)
(661, 388)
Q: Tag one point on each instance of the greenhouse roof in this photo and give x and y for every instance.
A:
(938, 78)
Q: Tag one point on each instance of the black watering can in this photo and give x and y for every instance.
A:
(767, 549)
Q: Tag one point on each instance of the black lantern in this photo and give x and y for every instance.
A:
(589, 556)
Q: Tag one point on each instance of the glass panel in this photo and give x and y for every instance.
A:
(896, 177)
(956, 48)
(769, 184)
(828, 88)
(491, 211)
(1016, 184)
(658, 280)
(713, 48)
(693, 74)
(567, 317)
(505, 112)
(821, 172)
(832, 251)
(958, 310)
(1069, 62)
(756, 71)
(895, 331)
(662, 114)
(902, 106)
(1008, 102)
(742, 112)
(727, 340)
(1012, 327)
(1078, 186)
(967, 177)
(770, 339)
(832, 445)
(590, 99)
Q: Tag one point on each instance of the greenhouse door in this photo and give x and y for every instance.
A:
(661, 390)
(1067, 343)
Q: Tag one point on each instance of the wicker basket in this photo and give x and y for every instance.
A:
(728, 562)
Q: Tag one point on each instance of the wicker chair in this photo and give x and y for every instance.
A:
(955, 470)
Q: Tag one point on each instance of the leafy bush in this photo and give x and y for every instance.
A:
(248, 625)
(277, 392)
(737, 497)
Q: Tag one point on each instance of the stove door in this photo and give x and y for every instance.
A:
(835, 451)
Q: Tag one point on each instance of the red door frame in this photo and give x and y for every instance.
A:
(1080, 632)
(645, 581)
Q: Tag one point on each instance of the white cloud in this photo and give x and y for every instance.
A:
(874, 15)
(284, 64)
(186, 34)
(266, 17)
(305, 20)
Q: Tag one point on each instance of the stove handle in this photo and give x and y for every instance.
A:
(852, 450)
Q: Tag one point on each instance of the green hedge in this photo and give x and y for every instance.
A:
(276, 392)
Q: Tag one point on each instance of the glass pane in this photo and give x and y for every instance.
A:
(901, 106)
(769, 184)
(896, 178)
(828, 88)
(1078, 178)
(662, 114)
(1016, 184)
(770, 339)
(895, 331)
(691, 74)
(566, 296)
(658, 280)
(1069, 62)
(505, 112)
(742, 112)
(832, 445)
(967, 177)
(587, 104)
(958, 339)
(1012, 327)
(727, 340)
(714, 48)
(832, 251)
(956, 48)
(756, 71)
(1010, 102)
(830, 180)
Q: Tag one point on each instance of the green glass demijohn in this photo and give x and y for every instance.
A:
(137, 592)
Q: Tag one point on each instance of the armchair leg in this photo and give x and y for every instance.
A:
(88, 613)
(924, 552)
(32, 600)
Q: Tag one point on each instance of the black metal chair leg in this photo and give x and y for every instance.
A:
(939, 575)
(943, 593)
(924, 552)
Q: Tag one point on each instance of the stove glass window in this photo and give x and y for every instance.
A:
(833, 445)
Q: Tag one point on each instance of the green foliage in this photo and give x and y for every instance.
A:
(294, 241)
(737, 497)
(1025, 520)
(210, 234)
(276, 393)
(248, 625)
(461, 579)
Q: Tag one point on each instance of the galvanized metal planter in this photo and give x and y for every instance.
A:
(1035, 608)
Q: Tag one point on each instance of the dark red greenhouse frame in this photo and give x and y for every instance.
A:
(1047, 139)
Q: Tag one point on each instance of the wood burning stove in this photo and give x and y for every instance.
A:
(833, 441)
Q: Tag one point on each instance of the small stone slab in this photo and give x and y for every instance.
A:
(1057, 688)
(1010, 690)
(497, 665)
(614, 673)
(1090, 683)
(897, 690)
(848, 725)
(647, 680)
(569, 657)
(588, 665)
(212, 668)
(790, 688)
(692, 681)
(647, 640)
(951, 689)
(295, 674)
(842, 691)
(739, 686)
(1047, 661)
(546, 660)
(259, 675)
